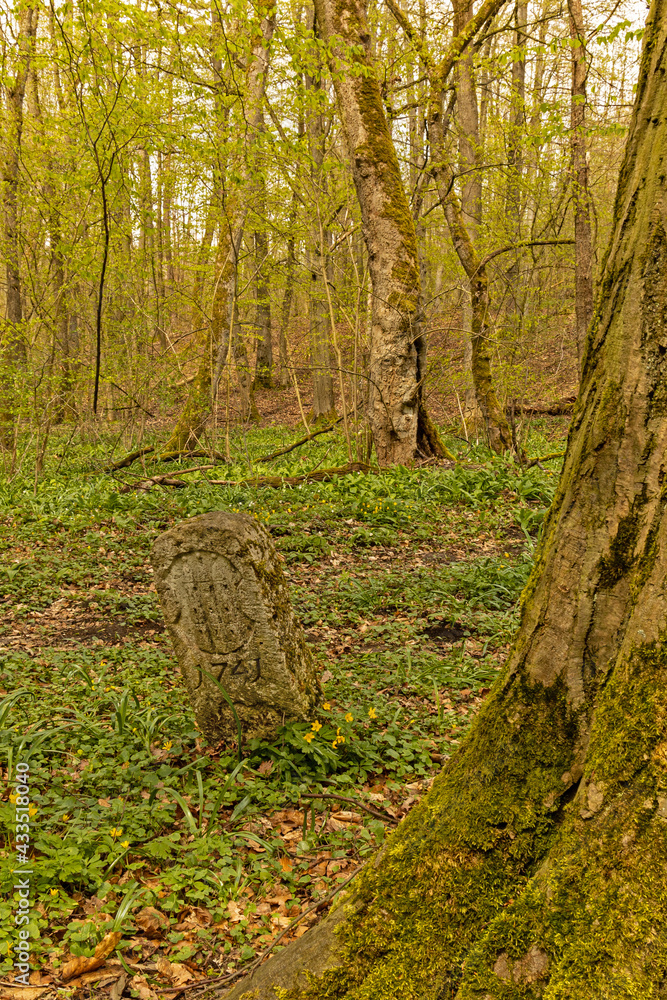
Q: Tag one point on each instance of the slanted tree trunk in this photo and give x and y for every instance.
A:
(536, 866)
(471, 194)
(583, 251)
(397, 414)
(498, 431)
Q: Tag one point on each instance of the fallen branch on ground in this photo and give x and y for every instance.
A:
(545, 458)
(167, 480)
(129, 459)
(297, 444)
(321, 476)
(559, 409)
(172, 456)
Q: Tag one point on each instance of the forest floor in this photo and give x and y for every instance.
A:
(180, 866)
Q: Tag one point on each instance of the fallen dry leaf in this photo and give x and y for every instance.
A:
(180, 974)
(78, 966)
(286, 864)
(265, 767)
(152, 922)
(118, 987)
(140, 984)
(173, 971)
(164, 967)
(22, 992)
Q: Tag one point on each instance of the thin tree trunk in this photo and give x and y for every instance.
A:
(264, 357)
(515, 138)
(214, 345)
(288, 295)
(583, 251)
(535, 866)
(319, 324)
(497, 429)
(14, 351)
(471, 195)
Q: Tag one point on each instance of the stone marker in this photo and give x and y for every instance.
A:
(225, 601)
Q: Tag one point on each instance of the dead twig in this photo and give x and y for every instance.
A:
(386, 817)
(320, 904)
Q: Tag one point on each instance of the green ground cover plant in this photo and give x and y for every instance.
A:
(407, 583)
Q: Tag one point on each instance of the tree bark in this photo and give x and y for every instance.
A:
(389, 232)
(536, 866)
(583, 252)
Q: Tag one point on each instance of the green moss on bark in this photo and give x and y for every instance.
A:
(461, 856)
(592, 923)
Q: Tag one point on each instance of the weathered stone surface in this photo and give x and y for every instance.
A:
(225, 601)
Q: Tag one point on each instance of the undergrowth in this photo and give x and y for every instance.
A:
(406, 583)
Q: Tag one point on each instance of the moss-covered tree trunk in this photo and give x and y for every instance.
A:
(537, 864)
(397, 414)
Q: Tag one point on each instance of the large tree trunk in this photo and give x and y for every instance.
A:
(536, 866)
(395, 377)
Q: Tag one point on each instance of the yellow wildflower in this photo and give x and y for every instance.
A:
(168, 745)
(317, 726)
(125, 843)
(309, 737)
(115, 831)
(54, 892)
(66, 817)
(349, 717)
(372, 714)
(326, 706)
